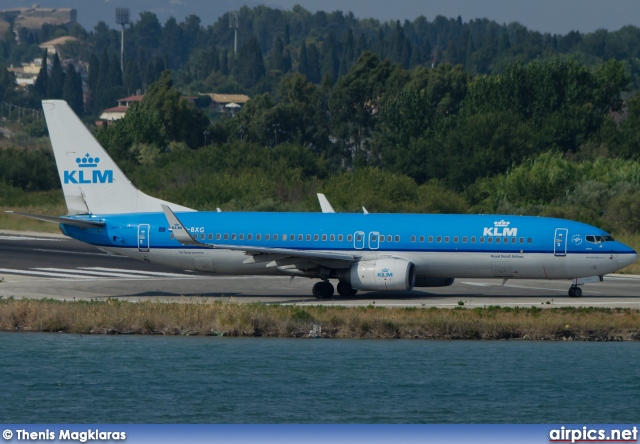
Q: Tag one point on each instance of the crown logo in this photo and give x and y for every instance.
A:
(385, 270)
(87, 161)
(501, 223)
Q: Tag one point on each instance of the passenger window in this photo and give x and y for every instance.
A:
(522, 240)
(218, 236)
(421, 238)
(316, 237)
(446, 239)
(241, 236)
(233, 236)
(455, 239)
(292, 237)
(308, 237)
(324, 238)
(473, 239)
(413, 238)
(482, 240)
(439, 239)
(267, 237)
(381, 238)
(226, 236)
(529, 240)
(210, 236)
(513, 240)
(332, 238)
(388, 238)
(171, 236)
(497, 240)
(430, 238)
(464, 239)
(490, 239)
(340, 237)
(397, 238)
(249, 237)
(299, 237)
(284, 237)
(349, 237)
(275, 237)
(358, 237)
(258, 236)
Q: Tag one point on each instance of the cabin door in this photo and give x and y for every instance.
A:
(560, 242)
(143, 237)
(374, 239)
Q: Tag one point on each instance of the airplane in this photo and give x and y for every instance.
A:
(369, 252)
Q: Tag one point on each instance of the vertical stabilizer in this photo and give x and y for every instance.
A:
(91, 181)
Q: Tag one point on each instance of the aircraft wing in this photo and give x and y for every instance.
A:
(62, 220)
(183, 236)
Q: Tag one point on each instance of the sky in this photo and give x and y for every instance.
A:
(553, 16)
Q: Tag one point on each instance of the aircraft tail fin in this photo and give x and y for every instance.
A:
(91, 181)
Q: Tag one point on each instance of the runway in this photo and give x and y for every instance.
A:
(37, 265)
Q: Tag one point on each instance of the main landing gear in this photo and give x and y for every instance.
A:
(324, 289)
(345, 289)
(575, 291)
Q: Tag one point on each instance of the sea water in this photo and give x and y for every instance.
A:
(71, 378)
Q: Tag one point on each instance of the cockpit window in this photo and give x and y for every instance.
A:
(599, 239)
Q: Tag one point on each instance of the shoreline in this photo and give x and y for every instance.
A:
(254, 320)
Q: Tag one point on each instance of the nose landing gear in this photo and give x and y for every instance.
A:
(575, 291)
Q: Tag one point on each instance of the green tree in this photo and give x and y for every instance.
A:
(55, 83)
(354, 101)
(249, 67)
(139, 128)
(131, 80)
(182, 121)
(40, 85)
(72, 90)
(114, 75)
(303, 63)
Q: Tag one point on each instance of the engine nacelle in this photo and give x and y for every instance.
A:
(424, 281)
(382, 275)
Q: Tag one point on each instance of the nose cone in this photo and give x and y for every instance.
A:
(627, 257)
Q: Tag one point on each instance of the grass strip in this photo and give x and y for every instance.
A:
(227, 318)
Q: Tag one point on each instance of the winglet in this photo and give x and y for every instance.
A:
(364, 210)
(324, 204)
(179, 231)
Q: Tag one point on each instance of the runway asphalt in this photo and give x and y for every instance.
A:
(38, 265)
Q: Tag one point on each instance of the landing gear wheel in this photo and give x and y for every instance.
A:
(323, 290)
(575, 291)
(345, 289)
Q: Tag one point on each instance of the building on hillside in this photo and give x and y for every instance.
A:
(33, 18)
(27, 73)
(228, 103)
(54, 46)
(118, 112)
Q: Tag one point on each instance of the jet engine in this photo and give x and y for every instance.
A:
(382, 275)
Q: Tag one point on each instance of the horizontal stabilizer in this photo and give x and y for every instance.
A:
(62, 220)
